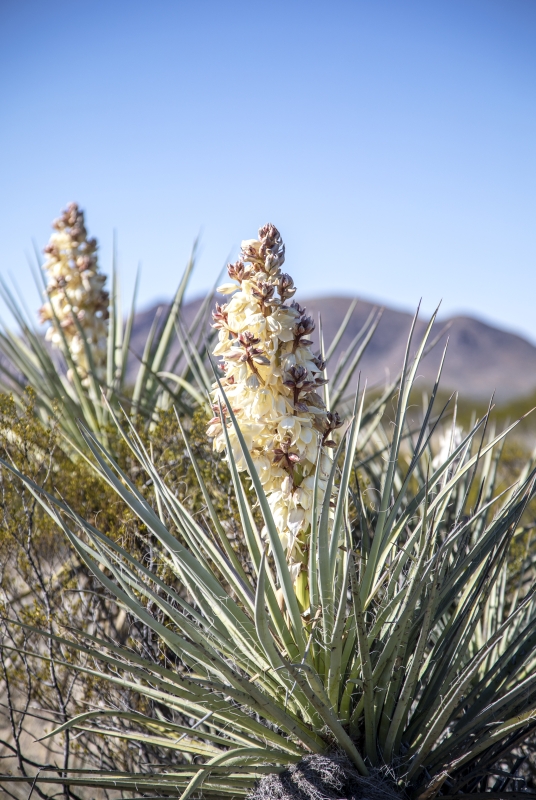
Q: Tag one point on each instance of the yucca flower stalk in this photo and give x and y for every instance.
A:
(417, 661)
(272, 379)
(77, 305)
(92, 342)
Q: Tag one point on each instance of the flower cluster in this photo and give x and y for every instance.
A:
(272, 379)
(77, 298)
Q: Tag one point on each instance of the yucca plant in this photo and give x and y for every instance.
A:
(82, 363)
(85, 367)
(406, 667)
(33, 584)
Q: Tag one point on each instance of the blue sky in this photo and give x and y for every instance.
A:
(393, 142)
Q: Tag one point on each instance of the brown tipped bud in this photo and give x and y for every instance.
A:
(286, 287)
(328, 424)
(237, 271)
(283, 456)
(72, 213)
(334, 420)
(247, 339)
(304, 326)
(250, 253)
(269, 235)
(319, 363)
(272, 249)
(295, 377)
(219, 315)
(300, 310)
(264, 291)
(84, 262)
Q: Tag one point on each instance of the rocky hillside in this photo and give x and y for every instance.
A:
(481, 359)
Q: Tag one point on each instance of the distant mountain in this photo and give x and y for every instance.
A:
(481, 359)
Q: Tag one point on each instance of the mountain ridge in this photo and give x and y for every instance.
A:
(481, 359)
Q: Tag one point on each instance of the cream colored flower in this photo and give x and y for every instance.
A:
(272, 379)
(77, 298)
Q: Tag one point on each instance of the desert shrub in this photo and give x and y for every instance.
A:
(44, 583)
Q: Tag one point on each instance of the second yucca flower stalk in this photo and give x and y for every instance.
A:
(78, 303)
(271, 378)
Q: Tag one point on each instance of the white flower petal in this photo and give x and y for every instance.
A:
(227, 288)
